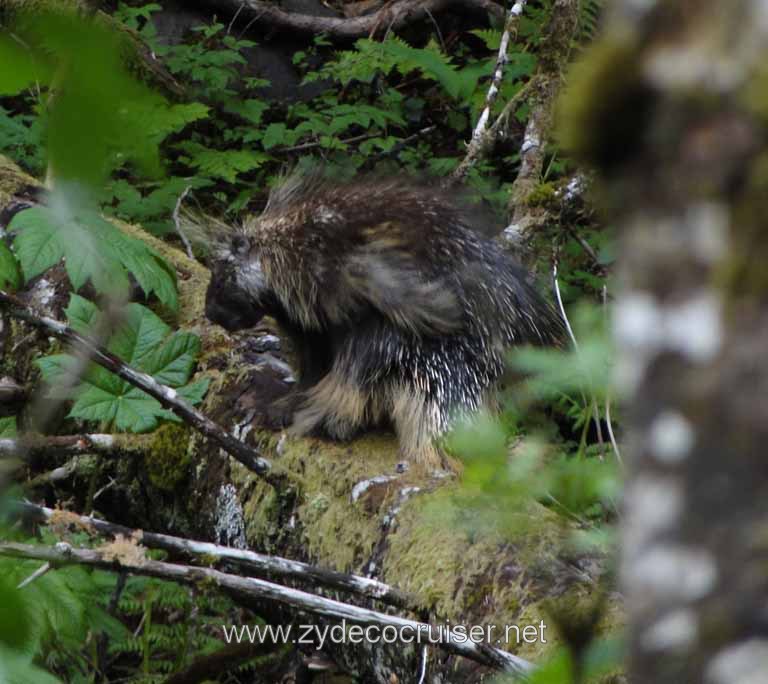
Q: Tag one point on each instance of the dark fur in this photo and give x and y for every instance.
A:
(401, 310)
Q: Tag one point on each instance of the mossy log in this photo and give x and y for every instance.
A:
(353, 510)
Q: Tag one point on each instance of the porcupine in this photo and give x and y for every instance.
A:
(401, 310)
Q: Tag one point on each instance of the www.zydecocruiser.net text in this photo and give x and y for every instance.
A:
(345, 633)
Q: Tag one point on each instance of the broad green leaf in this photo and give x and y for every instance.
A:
(226, 164)
(274, 136)
(146, 343)
(93, 249)
(10, 278)
(19, 67)
(194, 392)
(173, 362)
(8, 426)
(81, 314)
(37, 245)
(138, 336)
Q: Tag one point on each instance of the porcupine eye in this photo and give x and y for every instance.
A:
(240, 245)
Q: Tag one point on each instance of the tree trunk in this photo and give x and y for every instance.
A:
(671, 106)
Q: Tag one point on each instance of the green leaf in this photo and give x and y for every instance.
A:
(19, 66)
(37, 246)
(274, 136)
(194, 392)
(93, 249)
(10, 277)
(146, 343)
(226, 164)
(7, 427)
(251, 110)
(81, 314)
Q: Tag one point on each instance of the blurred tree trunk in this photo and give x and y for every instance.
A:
(672, 106)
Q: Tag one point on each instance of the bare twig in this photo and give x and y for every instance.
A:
(479, 148)
(424, 658)
(45, 567)
(32, 444)
(400, 145)
(63, 472)
(249, 588)
(177, 222)
(167, 397)
(404, 12)
(593, 406)
(256, 563)
(316, 143)
(480, 138)
(234, 18)
(608, 419)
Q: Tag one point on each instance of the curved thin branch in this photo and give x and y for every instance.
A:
(257, 563)
(394, 15)
(482, 135)
(252, 588)
(32, 444)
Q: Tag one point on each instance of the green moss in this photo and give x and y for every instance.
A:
(167, 459)
(541, 195)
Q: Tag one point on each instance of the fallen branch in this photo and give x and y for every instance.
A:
(33, 445)
(257, 563)
(249, 588)
(481, 139)
(167, 397)
(393, 15)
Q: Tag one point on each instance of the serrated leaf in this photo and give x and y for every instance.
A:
(226, 164)
(93, 249)
(251, 110)
(194, 392)
(96, 404)
(143, 341)
(10, 277)
(19, 66)
(8, 427)
(81, 314)
(137, 412)
(274, 136)
(137, 337)
(491, 37)
(172, 363)
(37, 245)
